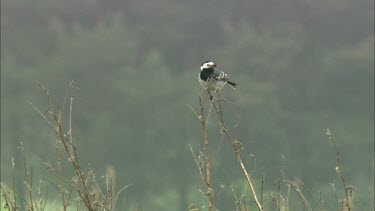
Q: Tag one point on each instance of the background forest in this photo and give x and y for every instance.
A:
(302, 66)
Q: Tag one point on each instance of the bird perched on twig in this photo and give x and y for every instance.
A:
(212, 78)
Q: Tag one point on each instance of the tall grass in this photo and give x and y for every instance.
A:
(78, 188)
(79, 191)
(209, 103)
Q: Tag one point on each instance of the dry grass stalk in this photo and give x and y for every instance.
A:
(200, 166)
(347, 203)
(10, 194)
(204, 165)
(9, 201)
(71, 151)
(236, 145)
(83, 182)
(207, 159)
(318, 203)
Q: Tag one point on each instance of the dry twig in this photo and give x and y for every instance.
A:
(347, 204)
(236, 145)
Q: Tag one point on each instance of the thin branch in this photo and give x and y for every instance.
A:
(61, 113)
(28, 180)
(237, 147)
(60, 175)
(296, 187)
(72, 154)
(335, 193)
(118, 193)
(207, 159)
(339, 170)
(238, 202)
(199, 166)
(287, 198)
(6, 196)
(70, 121)
(44, 116)
(15, 193)
(315, 200)
(321, 201)
(261, 191)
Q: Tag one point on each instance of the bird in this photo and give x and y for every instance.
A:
(212, 78)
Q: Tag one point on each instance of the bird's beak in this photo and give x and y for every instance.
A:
(214, 65)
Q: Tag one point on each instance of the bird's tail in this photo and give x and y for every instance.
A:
(233, 85)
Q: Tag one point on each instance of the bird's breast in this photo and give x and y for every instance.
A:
(206, 74)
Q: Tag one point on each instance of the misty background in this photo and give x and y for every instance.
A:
(302, 66)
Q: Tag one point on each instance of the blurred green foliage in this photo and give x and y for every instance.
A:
(302, 66)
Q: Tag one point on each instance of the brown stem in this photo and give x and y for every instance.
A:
(60, 175)
(234, 146)
(339, 169)
(207, 160)
(28, 180)
(72, 154)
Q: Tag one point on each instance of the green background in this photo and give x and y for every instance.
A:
(302, 66)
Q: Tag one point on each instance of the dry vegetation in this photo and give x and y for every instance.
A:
(280, 202)
(82, 192)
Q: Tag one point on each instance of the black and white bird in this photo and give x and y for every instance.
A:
(212, 78)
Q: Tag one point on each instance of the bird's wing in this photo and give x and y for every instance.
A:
(219, 75)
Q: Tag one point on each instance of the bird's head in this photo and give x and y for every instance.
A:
(207, 65)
